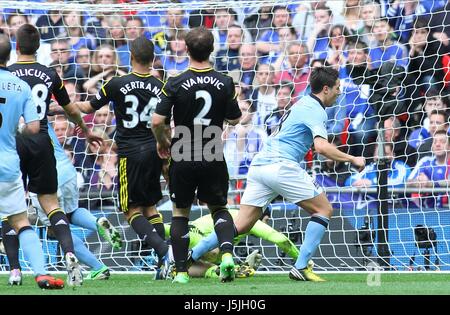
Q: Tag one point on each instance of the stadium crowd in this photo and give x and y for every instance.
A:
(269, 52)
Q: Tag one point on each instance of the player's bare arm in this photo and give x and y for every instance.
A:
(73, 113)
(159, 128)
(323, 147)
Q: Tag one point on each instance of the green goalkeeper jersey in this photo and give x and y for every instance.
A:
(203, 226)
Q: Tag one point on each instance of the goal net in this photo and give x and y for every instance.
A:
(393, 61)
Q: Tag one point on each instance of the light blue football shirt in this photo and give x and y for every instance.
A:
(304, 121)
(15, 101)
(65, 168)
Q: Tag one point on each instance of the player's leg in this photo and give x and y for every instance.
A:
(298, 187)
(155, 218)
(320, 209)
(257, 195)
(138, 194)
(12, 203)
(68, 197)
(179, 235)
(213, 189)
(182, 186)
(11, 244)
(98, 270)
(43, 180)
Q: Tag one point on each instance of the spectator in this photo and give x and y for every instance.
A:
(225, 17)
(104, 67)
(397, 175)
(297, 70)
(177, 59)
(318, 38)
(60, 54)
(116, 30)
(100, 165)
(15, 20)
(259, 23)
(264, 96)
(277, 49)
(401, 16)
(437, 120)
(424, 70)
(339, 35)
(352, 16)
(175, 22)
(227, 59)
(303, 20)
(386, 49)
(284, 101)
(50, 25)
(83, 61)
(370, 12)
(359, 111)
(73, 21)
(436, 124)
(245, 75)
(134, 27)
(242, 142)
(95, 25)
(395, 134)
(104, 121)
(204, 17)
(63, 128)
(430, 170)
(270, 40)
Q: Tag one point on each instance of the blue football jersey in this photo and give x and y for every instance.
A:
(304, 121)
(15, 101)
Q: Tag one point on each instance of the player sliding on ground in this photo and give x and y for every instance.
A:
(207, 265)
(276, 170)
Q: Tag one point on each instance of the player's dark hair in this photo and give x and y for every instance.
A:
(28, 39)
(5, 48)
(200, 43)
(441, 132)
(142, 50)
(323, 76)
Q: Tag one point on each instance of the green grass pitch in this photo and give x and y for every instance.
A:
(347, 284)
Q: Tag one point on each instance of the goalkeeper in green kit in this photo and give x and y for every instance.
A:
(208, 266)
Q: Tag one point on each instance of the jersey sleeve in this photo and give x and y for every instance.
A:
(316, 123)
(60, 92)
(164, 107)
(103, 96)
(29, 107)
(232, 110)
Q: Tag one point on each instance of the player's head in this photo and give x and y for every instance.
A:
(142, 50)
(28, 39)
(5, 49)
(325, 84)
(200, 43)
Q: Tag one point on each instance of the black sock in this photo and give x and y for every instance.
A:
(11, 243)
(179, 235)
(148, 234)
(61, 228)
(157, 222)
(225, 230)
